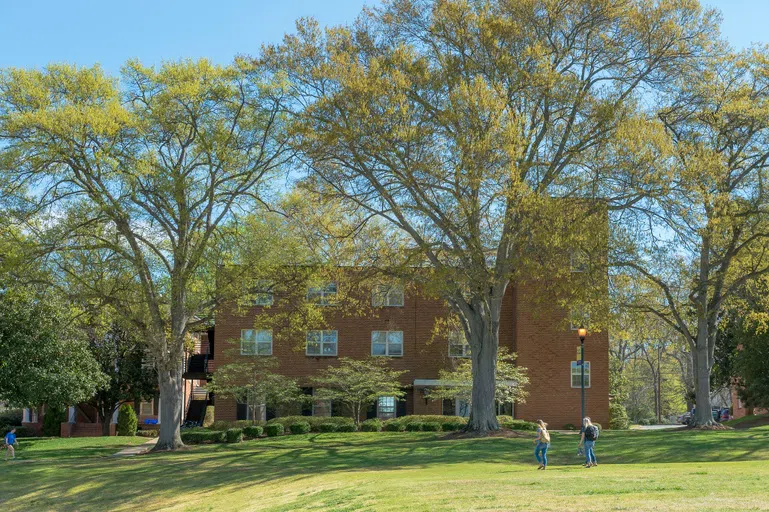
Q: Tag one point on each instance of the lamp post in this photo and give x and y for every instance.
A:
(582, 332)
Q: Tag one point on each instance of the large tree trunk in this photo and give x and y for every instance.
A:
(484, 342)
(105, 423)
(170, 409)
(702, 366)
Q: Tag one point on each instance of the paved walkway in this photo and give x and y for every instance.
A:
(656, 427)
(138, 449)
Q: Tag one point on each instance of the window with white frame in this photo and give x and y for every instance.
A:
(386, 407)
(323, 295)
(255, 342)
(576, 374)
(386, 295)
(579, 260)
(322, 343)
(458, 346)
(263, 295)
(387, 343)
(578, 317)
(146, 409)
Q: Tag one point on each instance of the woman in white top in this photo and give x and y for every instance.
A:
(543, 443)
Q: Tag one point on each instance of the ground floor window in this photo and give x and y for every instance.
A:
(505, 409)
(251, 412)
(386, 407)
(146, 409)
(576, 374)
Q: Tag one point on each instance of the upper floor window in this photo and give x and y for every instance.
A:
(264, 295)
(576, 374)
(323, 295)
(458, 346)
(387, 343)
(385, 295)
(255, 342)
(579, 260)
(322, 343)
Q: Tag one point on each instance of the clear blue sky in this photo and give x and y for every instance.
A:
(36, 32)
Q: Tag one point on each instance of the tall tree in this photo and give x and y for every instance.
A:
(707, 234)
(142, 174)
(461, 123)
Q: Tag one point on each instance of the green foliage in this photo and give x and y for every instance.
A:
(358, 383)
(513, 424)
(126, 421)
(234, 435)
(45, 359)
(208, 418)
(299, 428)
(20, 431)
(371, 425)
(314, 421)
(274, 429)
(220, 425)
(394, 426)
(52, 420)
(253, 431)
(203, 437)
(414, 426)
(346, 427)
(510, 387)
(569, 426)
(751, 367)
(431, 426)
(152, 433)
(451, 426)
(11, 417)
(618, 418)
(328, 427)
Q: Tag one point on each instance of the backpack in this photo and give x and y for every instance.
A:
(591, 433)
(544, 436)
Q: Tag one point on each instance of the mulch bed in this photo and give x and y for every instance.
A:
(716, 426)
(506, 433)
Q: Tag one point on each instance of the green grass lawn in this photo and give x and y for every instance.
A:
(74, 448)
(678, 470)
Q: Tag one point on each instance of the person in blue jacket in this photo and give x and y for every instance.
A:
(10, 441)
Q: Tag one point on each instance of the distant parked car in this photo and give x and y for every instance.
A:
(686, 418)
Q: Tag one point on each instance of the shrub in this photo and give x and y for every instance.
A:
(618, 419)
(329, 427)
(234, 435)
(203, 437)
(394, 426)
(54, 417)
(431, 426)
(598, 425)
(208, 417)
(346, 427)
(569, 426)
(301, 427)
(253, 431)
(12, 417)
(415, 426)
(274, 429)
(126, 421)
(450, 426)
(148, 433)
(314, 421)
(372, 425)
(225, 425)
(20, 431)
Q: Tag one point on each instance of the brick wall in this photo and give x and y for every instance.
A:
(543, 345)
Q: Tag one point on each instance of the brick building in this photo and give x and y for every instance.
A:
(401, 329)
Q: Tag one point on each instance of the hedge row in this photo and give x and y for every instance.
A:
(315, 422)
(20, 431)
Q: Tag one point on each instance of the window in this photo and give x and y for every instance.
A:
(385, 407)
(255, 343)
(324, 295)
(458, 346)
(387, 343)
(578, 316)
(579, 260)
(146, 409)
(321, 343)
(321, 407)
(250, 411)
(385, 295)
(463, 408)
(263, 295)
(576, 374)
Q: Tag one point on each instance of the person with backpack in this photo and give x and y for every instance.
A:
(589, 436)
(543, 443)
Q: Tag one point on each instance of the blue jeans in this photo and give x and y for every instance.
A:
(589, 453)
(541, 448)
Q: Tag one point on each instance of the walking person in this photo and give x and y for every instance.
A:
(10, 440)
(542, 444)
(589, 436)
